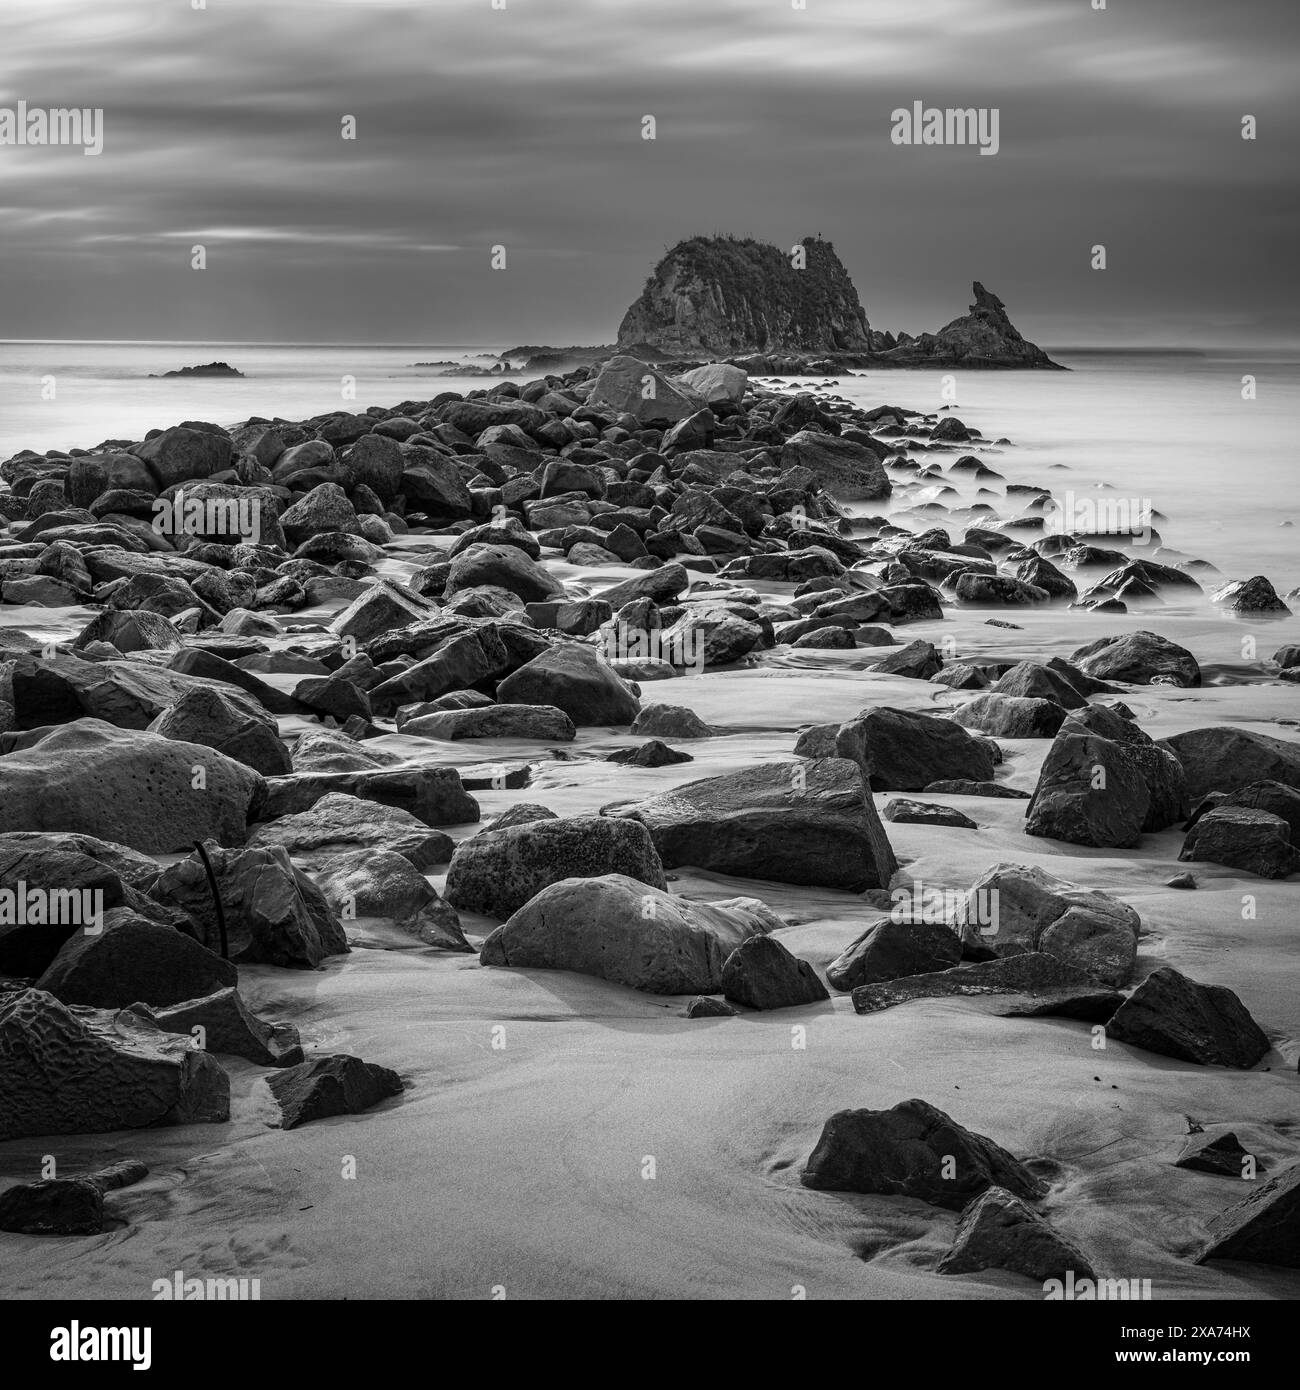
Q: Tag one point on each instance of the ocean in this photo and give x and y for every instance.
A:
(1175, 430)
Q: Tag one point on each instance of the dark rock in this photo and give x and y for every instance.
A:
(1176, 1017)
(907, 812)
(802, 822)
(336, 1084)
(575, 679)
(652, 753)
(497, 874)
(621, 929)
(762, 974)
(998, 1231)
(1227, 758)
(1241, 838)
(907, 1152)
(85, 1073)
(1263, 1228)
(221, 1022)
(274, 914)
(892, 948)
(1138, 658)
(1222, 1155)
(131, 959)
(1035, 985)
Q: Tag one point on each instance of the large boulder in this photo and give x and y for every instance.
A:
(801, 822)
(1177, 1017)
(849, 471)
(891, 948)
(901, 750)
(1243, 838)
(86, 1073)
(229, 721)
(1012, 909)
(1263, 1228)
(274, 914)
(180, 455)
(1138, 658)
(762, 974)
(379, 883)
(1010, 716)
(622, 929)
(1089, 792)
(138, 789)
(626, 386)
(1227, 758)
(338, 823)
(717, 382)
(575, 679)
(434, 795)
(130, 959)
(502, 567)
(913, 1150)
(498, 873)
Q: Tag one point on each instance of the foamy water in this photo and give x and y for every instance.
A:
(1169, 428)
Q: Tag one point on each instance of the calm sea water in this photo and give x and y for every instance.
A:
(1171, 428)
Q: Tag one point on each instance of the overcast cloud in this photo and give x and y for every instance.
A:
(522, 127)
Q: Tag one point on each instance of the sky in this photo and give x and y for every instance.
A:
(519, 124)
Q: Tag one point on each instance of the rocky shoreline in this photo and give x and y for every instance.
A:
(302, 701)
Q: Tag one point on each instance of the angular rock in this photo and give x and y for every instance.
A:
(892, 948)
(998, 1231)
(1242, 838)
(335, 1084)
(133, 960)
(762, 974)
(225, 1024)
(1263, 1228)
(1177, 1017)
(906, 1152)
(575, 679)
(802, 822)
(384, 884)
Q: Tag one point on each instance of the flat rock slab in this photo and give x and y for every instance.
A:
(1030, 985)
